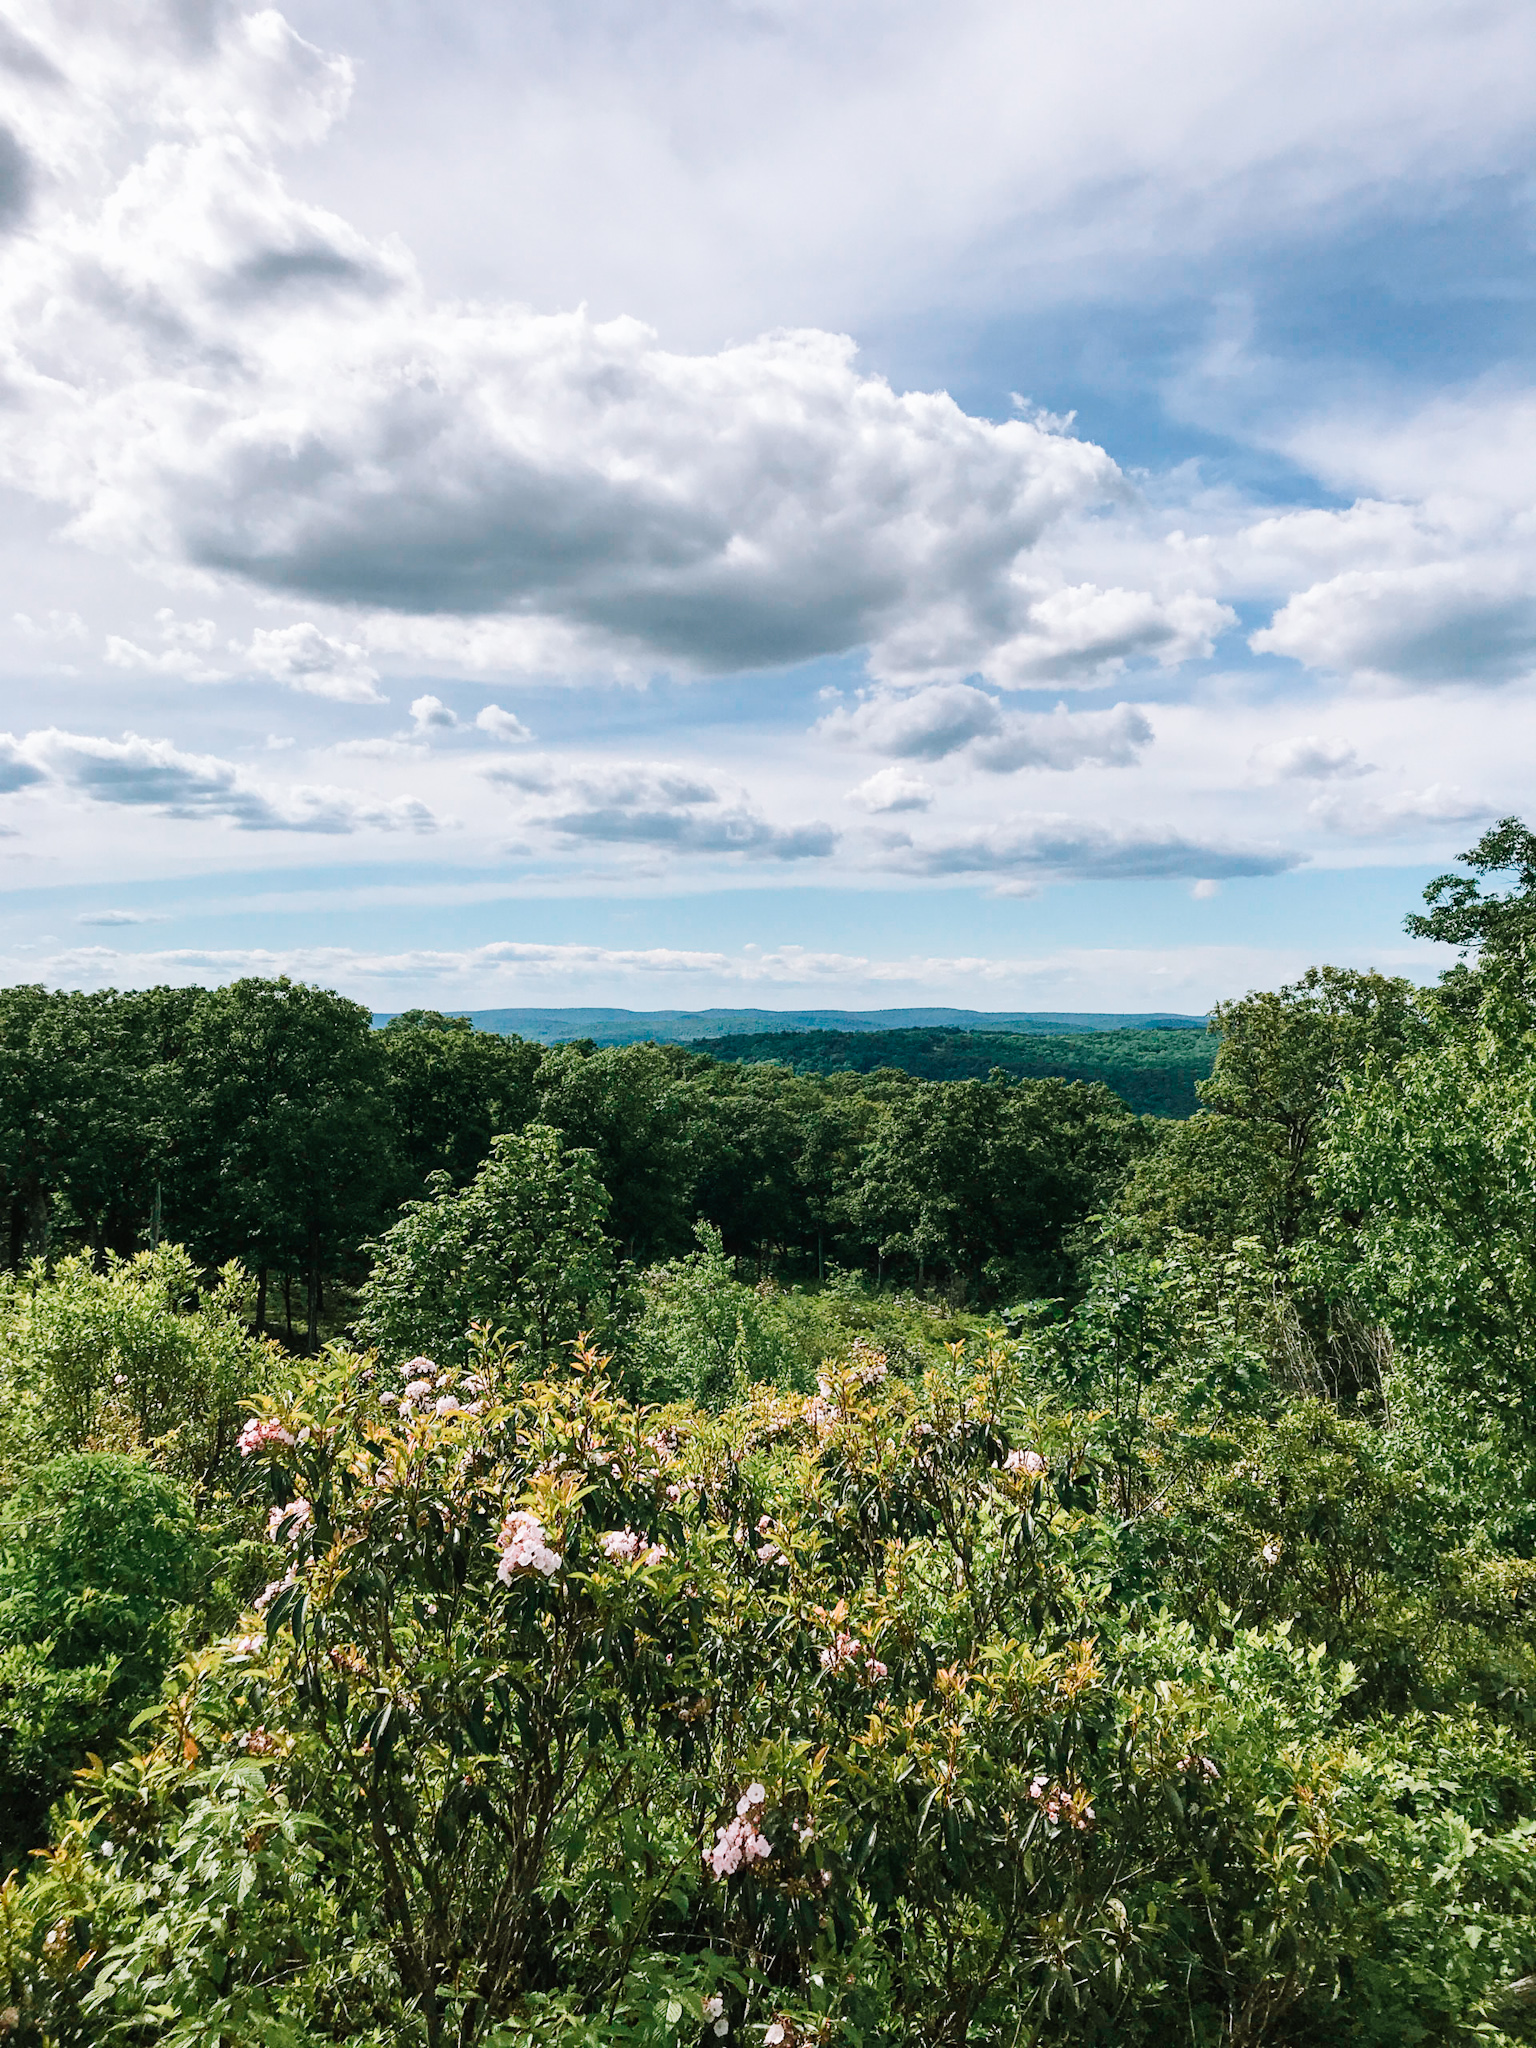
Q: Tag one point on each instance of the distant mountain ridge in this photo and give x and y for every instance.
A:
(681, 1027)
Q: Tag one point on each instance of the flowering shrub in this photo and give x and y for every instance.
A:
(576, 1710)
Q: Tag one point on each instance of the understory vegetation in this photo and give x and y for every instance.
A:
(1087, 1597)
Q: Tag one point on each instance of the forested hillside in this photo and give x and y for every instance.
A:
(269, 1122)
(1153, 1072)
(1094, 1603)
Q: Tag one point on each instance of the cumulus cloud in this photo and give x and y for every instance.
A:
(184, 650)
(208, 372)
(120, 917)
(889, 789)
(502, 725)
(1307, 757)
(656, 804)
(155, 775)
(431, 714)
(1070, 848)
(303, 658)
(948, 718)
(1451, 621)
(1377, 818)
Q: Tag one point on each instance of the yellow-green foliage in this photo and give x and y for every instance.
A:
(842, 1716)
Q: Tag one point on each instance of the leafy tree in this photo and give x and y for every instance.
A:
(1247, 1165)
(96, 1553)
(629, 1107)
(1499, 926)
(449, 1090)
(136, 1352)
(1429, 1165)
(286, 1094)
(987, 1181)
(32, 1138)
(522, 1249)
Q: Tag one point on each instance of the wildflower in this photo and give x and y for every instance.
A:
(260, 1431)
(297, 1517)
(846, 1653)
(620, 1546)
(446, 1404)
(248, 1646)
(414, 1368)
(1271, 1552)
(388, 1400)
(1025, 1461)
(755, 1795)
(418, 1389)
(1201, 1766)
(524, 1548)
(270, 1592)
(736, 1844)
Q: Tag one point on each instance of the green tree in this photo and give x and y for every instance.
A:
(1247, 1165)
(521, 1249)
(286, 1093)
(628, 1105)
(450, 1089)
(96, 1554)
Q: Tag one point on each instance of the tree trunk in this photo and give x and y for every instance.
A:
(261, 1301)
(288, 1310)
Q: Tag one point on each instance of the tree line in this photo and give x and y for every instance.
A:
(268, 1122)
(1155, 1072)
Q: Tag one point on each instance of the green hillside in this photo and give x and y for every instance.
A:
(1155, 1071)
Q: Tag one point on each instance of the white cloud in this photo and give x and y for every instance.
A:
(502, 725)
(212, 375)
(185, 645)
(1072, 848)
(54, 625)
(1307, 757)
(1362, 817)
(653, 804)
(303, 658)
(1458, 621)
(431, 714)
(949, 718)
(1185, 979)
(120, 917)
(889, 789)
(155, 775)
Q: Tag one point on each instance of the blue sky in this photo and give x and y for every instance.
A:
(759, 503)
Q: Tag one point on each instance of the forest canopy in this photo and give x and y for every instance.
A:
(779, 1558)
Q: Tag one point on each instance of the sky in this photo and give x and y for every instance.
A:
(555, 502)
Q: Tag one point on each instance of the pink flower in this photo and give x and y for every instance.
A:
(298, 1515)
(261, 1431)
(418, 1390)
(846, 1653)
(447, 1404)
(1024, 1461)
(414, 1368)
(524, 1548)
(248, 1646)
(270, 1592)
(738, 1843)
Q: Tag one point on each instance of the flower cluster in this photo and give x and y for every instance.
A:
(525, 1548)
(298, 1515)
(1058, 1804)
(270, 1592)
(260, 1432)
(739, 1843)
(1199, 1766)
(623, 1546)
(1029, 1462)
(847, 1653)
(714, 2009)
